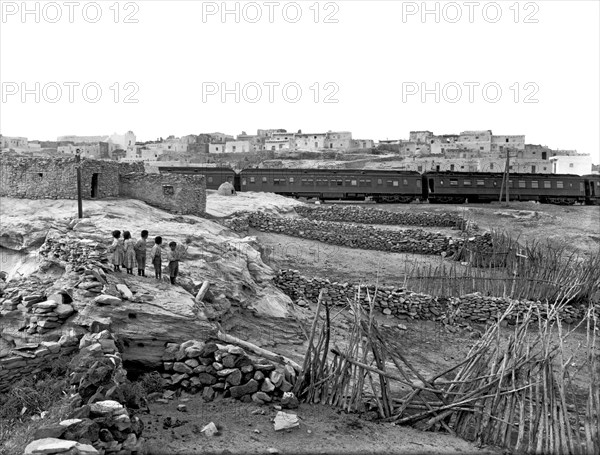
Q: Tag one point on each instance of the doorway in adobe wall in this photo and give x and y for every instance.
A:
(94, 186)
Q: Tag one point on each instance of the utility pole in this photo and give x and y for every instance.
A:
(505, 178)
(78, 166)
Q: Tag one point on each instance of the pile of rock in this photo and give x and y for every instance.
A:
(99, 422)
(411, 305)
(74, 251)
(224, 370)
(359, 236)
(18, 290)
(376, 216)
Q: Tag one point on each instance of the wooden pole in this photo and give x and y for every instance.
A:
(507, 175)
(78, 165)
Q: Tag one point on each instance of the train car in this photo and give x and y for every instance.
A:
(592, 189)
(215, 176)
(456, 187)
(328, 184)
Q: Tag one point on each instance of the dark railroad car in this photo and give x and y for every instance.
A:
(592, 189)
(214, 175)
(351, 184)
(456, 187)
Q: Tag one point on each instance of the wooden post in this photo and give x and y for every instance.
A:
(78, 165)
(507, 175)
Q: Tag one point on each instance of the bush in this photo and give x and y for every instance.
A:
(151, 382)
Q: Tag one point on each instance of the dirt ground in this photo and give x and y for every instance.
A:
(322, 430)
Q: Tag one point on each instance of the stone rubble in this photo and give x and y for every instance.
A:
(98, 422)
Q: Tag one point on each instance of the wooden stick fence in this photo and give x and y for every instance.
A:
(516, 393)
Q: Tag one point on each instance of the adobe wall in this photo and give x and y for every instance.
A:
(183, 194)
(56, 178)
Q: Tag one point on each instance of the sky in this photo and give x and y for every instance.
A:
(379, 69)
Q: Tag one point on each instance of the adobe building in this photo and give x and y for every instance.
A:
(56, 178)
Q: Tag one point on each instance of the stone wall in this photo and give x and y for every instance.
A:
(183, 194)
(361, 236)
(405, 304)
(377, 216)
(56, 178)
(225, 371)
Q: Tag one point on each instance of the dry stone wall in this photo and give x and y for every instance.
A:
(99, 421)
(359, 236)
(183, 194)
(405, 304)
(369, 215)
(226, 371)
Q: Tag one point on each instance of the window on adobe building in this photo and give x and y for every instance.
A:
(168, 190)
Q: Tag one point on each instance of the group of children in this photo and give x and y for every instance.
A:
(127, 253)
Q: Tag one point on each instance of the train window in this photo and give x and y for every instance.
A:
(467, 183)
(340, 182)
(522, 184)
(534, 184)
(480, 182)
(580, 186)
(396, 183)
(361, 183)
(252, 179)
(389, 183)
(243, 181)
(291, 179)
(322, 182)
(210, 179)
(559, 184)
(353, 182)
(510, 183)
(278, 181)
(570, 185)
(547, 184)
(368, 182)
(379, 181)
(418, 183)
(495, 183)
(264, 180)
(441, 182)
(453, 182)
(405, 182)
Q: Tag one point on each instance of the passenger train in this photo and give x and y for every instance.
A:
(403, 186)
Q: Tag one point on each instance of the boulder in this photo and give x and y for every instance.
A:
(49, 446)
(246, 389)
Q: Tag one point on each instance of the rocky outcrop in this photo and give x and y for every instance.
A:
(73, 288)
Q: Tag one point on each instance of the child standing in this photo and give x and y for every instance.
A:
(140, 253)
(117, 250)
(129, 247)
(174, 256)
(155, 257)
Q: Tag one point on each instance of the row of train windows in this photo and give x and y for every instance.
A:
(333, 182)
(521, 183)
